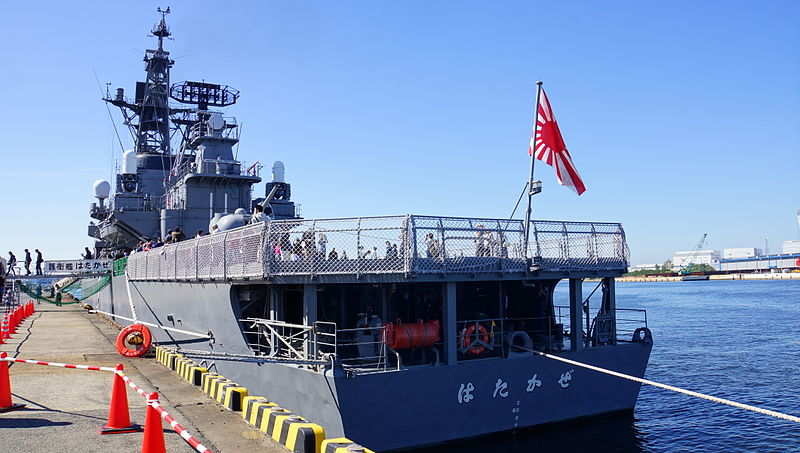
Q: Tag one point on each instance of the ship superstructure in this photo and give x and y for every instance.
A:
(161, 187)
(395, 331)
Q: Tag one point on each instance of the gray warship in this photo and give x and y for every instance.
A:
(394, 331)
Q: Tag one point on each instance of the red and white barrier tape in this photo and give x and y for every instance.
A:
(178, 428)
(132, 385)
(62, 365)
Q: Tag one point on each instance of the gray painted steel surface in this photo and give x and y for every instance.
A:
(415, 406)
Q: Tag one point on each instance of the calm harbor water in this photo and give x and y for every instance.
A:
(738, 340)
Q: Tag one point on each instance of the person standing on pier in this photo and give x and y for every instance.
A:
(28, 261)
(12, 261)
(39, 261)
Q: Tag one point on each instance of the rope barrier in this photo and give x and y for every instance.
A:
(179, 429)
(62, 365)
(715, 399)
(131, 384)
(165, 415)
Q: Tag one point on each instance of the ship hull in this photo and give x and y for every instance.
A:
(415, 406)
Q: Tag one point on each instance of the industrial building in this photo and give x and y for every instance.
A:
(790, 247)
(741, 252)
(686, 258)
(770, 263)
(740, 259)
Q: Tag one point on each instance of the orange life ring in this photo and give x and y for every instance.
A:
(134, 340)
(481, 334)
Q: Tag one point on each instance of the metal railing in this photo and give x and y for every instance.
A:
(203, 129)
(627, 321)
(360, 350)
(385, 245)
(492, 337)
(280, 340)
(600, 328)
(364, 350)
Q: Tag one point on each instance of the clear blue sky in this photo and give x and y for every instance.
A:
(682, 117)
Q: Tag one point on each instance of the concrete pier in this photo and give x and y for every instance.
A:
(65, 407)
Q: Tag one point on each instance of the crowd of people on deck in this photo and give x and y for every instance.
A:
(307, 247)
(173, 236)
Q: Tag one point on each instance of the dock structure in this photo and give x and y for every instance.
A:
(65, 407)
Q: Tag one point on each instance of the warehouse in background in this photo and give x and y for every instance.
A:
(740, 261)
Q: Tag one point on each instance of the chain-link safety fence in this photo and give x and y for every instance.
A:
(386, 245)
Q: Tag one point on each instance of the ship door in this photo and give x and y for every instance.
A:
(292, 302)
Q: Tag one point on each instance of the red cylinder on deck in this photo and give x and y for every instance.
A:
(417, 335)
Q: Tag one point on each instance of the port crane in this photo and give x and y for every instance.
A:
(690, 259)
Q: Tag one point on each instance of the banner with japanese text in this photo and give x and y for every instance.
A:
(71, 267)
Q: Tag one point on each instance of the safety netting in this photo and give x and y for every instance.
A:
(75, 292)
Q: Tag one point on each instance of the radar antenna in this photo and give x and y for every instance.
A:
(150, 106)
(160, 29)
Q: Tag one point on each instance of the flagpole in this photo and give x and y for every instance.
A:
(531, 191)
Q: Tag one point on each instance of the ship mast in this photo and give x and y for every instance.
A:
(153, 133)
(150, 107)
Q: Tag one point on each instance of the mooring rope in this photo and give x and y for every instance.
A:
(715, 399)
(150, 324)
(130, 297)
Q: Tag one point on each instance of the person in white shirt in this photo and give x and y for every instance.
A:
(258, 215)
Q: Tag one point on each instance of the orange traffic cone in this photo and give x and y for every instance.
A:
(12, 322)
(5, 387)
(118, 419)
(153, 439)
(4, 331)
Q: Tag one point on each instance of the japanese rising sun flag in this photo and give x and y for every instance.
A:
(547, 143)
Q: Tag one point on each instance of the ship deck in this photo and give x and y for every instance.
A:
(390, 248)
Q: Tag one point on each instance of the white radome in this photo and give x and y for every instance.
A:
(278, 172)
(129, 162)
(101, 189)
